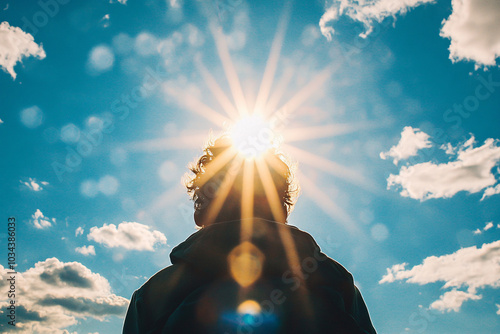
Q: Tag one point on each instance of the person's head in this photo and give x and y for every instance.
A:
(227, 186)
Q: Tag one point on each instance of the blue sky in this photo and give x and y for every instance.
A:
(391, 115)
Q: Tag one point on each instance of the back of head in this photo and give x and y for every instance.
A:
(227, 186)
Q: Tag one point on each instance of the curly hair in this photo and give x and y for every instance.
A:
(206, 180)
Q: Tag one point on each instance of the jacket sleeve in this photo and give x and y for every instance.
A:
(360, 313)
(132, 319)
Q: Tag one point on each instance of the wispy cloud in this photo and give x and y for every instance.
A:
(472, 268)
(128, 235)
(14, 45)
(488, 226)
(40, 221)
(365, 12)
(34, 185)
(57, 294)
(470, 171)
(79, 231)
(412, 140)
(491, 191)
(473, 28)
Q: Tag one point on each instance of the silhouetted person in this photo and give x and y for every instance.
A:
(245, 270)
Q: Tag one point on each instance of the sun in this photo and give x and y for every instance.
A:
(252, 136)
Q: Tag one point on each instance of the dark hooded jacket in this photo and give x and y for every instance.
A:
(299, 289)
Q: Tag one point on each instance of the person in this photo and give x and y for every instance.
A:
(246, 270)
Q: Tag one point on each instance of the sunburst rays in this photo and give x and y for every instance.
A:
(229, 70)
(268, 103)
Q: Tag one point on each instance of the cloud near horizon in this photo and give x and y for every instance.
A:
(470, 171)
(57, 294)
(14, 45)
(128, 235)
(472, 268)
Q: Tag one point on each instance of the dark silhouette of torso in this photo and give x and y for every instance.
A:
(302, 292)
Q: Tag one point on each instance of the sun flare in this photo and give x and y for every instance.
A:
(252, 136)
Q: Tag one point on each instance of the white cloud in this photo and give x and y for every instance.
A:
(470, 171)
(453, 300)
(366, 12)
(412, 140)
(14, 45)
(331, 14)
(86, 250)
(485, 228)
(498, 311)
(101, 59)
(473, 28)
(34, 185)
(40, 221)
(56, 295)
(129, 235)
(472, 268)
(491, 191)
(79, 231)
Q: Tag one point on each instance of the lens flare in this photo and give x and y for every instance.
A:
(249, 307)
(252, 136)
(245, 263)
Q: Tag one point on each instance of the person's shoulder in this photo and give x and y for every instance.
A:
(323, 259)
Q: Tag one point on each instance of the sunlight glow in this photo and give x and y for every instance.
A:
(252, 136)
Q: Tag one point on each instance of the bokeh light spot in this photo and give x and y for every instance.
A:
(245, 263)
(379, 232)
(101, 58)
(70, 133)
(108, 185)
(32, 117)
(249, 307)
